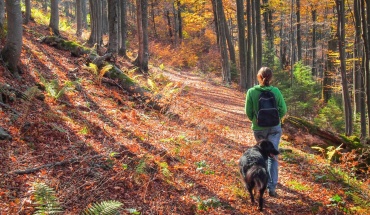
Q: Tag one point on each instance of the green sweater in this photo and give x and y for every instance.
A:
(251, 103)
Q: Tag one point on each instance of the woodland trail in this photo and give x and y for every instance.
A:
(305, 198)
(182, 162)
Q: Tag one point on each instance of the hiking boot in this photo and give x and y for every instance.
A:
(272, 193)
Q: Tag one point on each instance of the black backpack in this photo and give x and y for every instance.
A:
(268, 114)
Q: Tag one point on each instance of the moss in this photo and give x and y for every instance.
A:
(353, 141)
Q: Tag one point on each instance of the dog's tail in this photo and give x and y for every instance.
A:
(259, 175)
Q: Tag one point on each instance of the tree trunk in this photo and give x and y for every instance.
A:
(214, 8)
(113, 25)
(27, 15)
(314, 17)
(242, 46)
(169, 27)
(299, 42)
(341, 42)
(254, 37)
(365, 17)
(13, 46)
(294, 124)
(154, 3)
(84, 13)
(123, 31)
(226, 76)
(79, 18)
(142, 59)
(179, 9)
(267, 15)
(54, 17)
(258, 33)
(104, 15)
(96, 23)
(359, 70)
(230, 44)
(250, 71)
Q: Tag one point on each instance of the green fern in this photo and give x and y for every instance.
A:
(45, 199)
(110, 207)
(54, 89)
(140, 168)
(164, 169)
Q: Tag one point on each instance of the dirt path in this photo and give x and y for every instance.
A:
(173, 163)
(228, 105)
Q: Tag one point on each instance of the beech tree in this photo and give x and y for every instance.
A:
(113, 26)
(96, 23)
(27, 15)
(226, 75)
(13, 46)
(341, 43)
(123, 27)
(242, 46)
(79, 20)
(142, 59)
(54, 17)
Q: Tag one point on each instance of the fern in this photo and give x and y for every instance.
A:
(92, 68)
(164, 169)
(102, 72)
(140, 168)
(45, 199)
(110, 207)
(54, 89)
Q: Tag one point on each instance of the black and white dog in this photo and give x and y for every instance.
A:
(254, 170)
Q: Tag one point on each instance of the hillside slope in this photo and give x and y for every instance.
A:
(96, 143)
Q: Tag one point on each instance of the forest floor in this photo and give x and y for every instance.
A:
(113, 147)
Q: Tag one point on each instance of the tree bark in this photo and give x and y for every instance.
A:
(258, 33)
(142, 59)
(359, 70)
(27, 15)
(341, 44)
(242, 45)
(84, 13)
(79, 18)
(13, 46)
(250, 68)
(54, 17)
(314, 18)
(123, 30)
(179, 18)
(226, 75)
(230, 44)
(267, 16)
(113, 25)
(96, 35)
(299, 42)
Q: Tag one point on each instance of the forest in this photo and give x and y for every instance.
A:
(137, 106)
